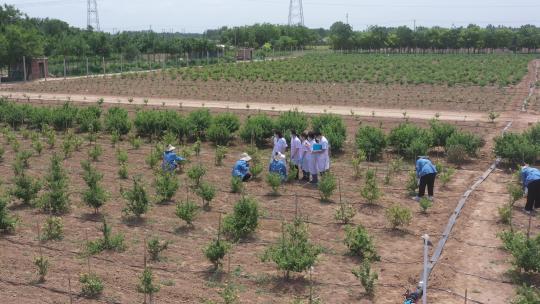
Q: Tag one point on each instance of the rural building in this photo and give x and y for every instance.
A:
(244, 54)
(36, 68)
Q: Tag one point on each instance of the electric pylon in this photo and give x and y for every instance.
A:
(92, 17)
(296, 13)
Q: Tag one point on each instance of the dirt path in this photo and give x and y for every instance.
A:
(473, 259)
(310, 109)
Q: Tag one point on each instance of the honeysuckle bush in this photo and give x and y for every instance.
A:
(408, 139)
(244, 219)
(291, 120)
(370, 140)
(516, 148)
(117, 120)
(257, 129)
(333, 128)
(55, 199)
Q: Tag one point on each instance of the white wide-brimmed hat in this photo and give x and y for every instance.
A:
(170, 148)
(279, 156)
(245, 157)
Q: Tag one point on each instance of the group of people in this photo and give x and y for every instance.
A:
(309, 153)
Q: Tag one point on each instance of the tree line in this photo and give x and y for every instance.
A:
(32, 37)
(472, 38)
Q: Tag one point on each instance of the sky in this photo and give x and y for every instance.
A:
(199, 15)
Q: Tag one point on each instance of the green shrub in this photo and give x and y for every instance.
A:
(345, 212)
(398, 216)
(357, 161)
(206, 192)
(37, 145)
(153, 158)
(196, 173)
(257, 129)
(94, 196)
(425, 204)
(527, 295)
(42, 264)
(123, 171)
(293, 251)
(137, 199)
(121, 156)
(91, 285)
(25, 188)
(326, 186)
(419, 146)
(256, 169)
(333, 128)
(56, 196)
(445, 175)
(200, 120)
(187, 211)
(229, 121)
(218, 135)
(516, 148)
(166, 184)
(408, 139)
(109, 242)
(515, 191)
(274, 181)
(197, 147)
(244, 220)
(368, 279)
(155, 247)
(360, 243)
(525, 251)
(468, 140)
(53, 229)
(371, 141)
(533, 134)
(456, 154)
(64, 117)
(117, 119)
(412, 183)
(146, 284)
(216, 251)
(95, 152)
(505, 214)
(88, 119)
(237, 186)
(3, 151)
(7, 221)
(441, 132)
(291, 120)
(371, 192)
(221, 153)
(23, 157)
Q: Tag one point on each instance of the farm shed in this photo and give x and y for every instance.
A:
(244, 54)
(36, 68)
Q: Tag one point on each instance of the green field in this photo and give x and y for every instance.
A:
(482, 70)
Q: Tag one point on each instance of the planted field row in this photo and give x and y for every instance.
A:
(481, 70)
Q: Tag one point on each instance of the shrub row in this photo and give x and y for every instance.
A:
(516, 148)
(410, 140)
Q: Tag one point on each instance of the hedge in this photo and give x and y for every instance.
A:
(371, 140)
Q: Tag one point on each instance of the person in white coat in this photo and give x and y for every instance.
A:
(280, 144)
(296, 147)
(313, 162)
(323, 155)
(305, 156)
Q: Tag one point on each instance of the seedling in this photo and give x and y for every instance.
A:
(155, 247)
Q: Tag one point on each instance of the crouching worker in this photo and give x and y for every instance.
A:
(530, 178)
(170, 159)
(241, 168)
(279, 166)
(426, 173)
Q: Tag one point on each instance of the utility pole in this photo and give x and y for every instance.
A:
(347, 17)
(296, 13)
(414, 25)
(92, 19)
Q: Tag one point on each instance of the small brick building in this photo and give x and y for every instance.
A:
(39, 68)
(244, 54)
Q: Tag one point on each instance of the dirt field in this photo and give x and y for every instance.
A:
(158, 85)
(472, 259)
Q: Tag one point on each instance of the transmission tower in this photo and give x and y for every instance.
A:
(93, 17)
(296, 13)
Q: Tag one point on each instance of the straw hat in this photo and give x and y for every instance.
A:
(245, 157)
(279, 156)
(170, 148)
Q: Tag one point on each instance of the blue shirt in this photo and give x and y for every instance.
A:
(529, 175)
(424, 167)
(170, 161)
(240, 169)
(279, 166)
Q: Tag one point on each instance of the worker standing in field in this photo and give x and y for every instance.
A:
(426, 173)
(280, 144)
(530, 178)
(313, 161)
(296, 147)
(170, 159)
(323, 154)
(305, 154)
(241, 168)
